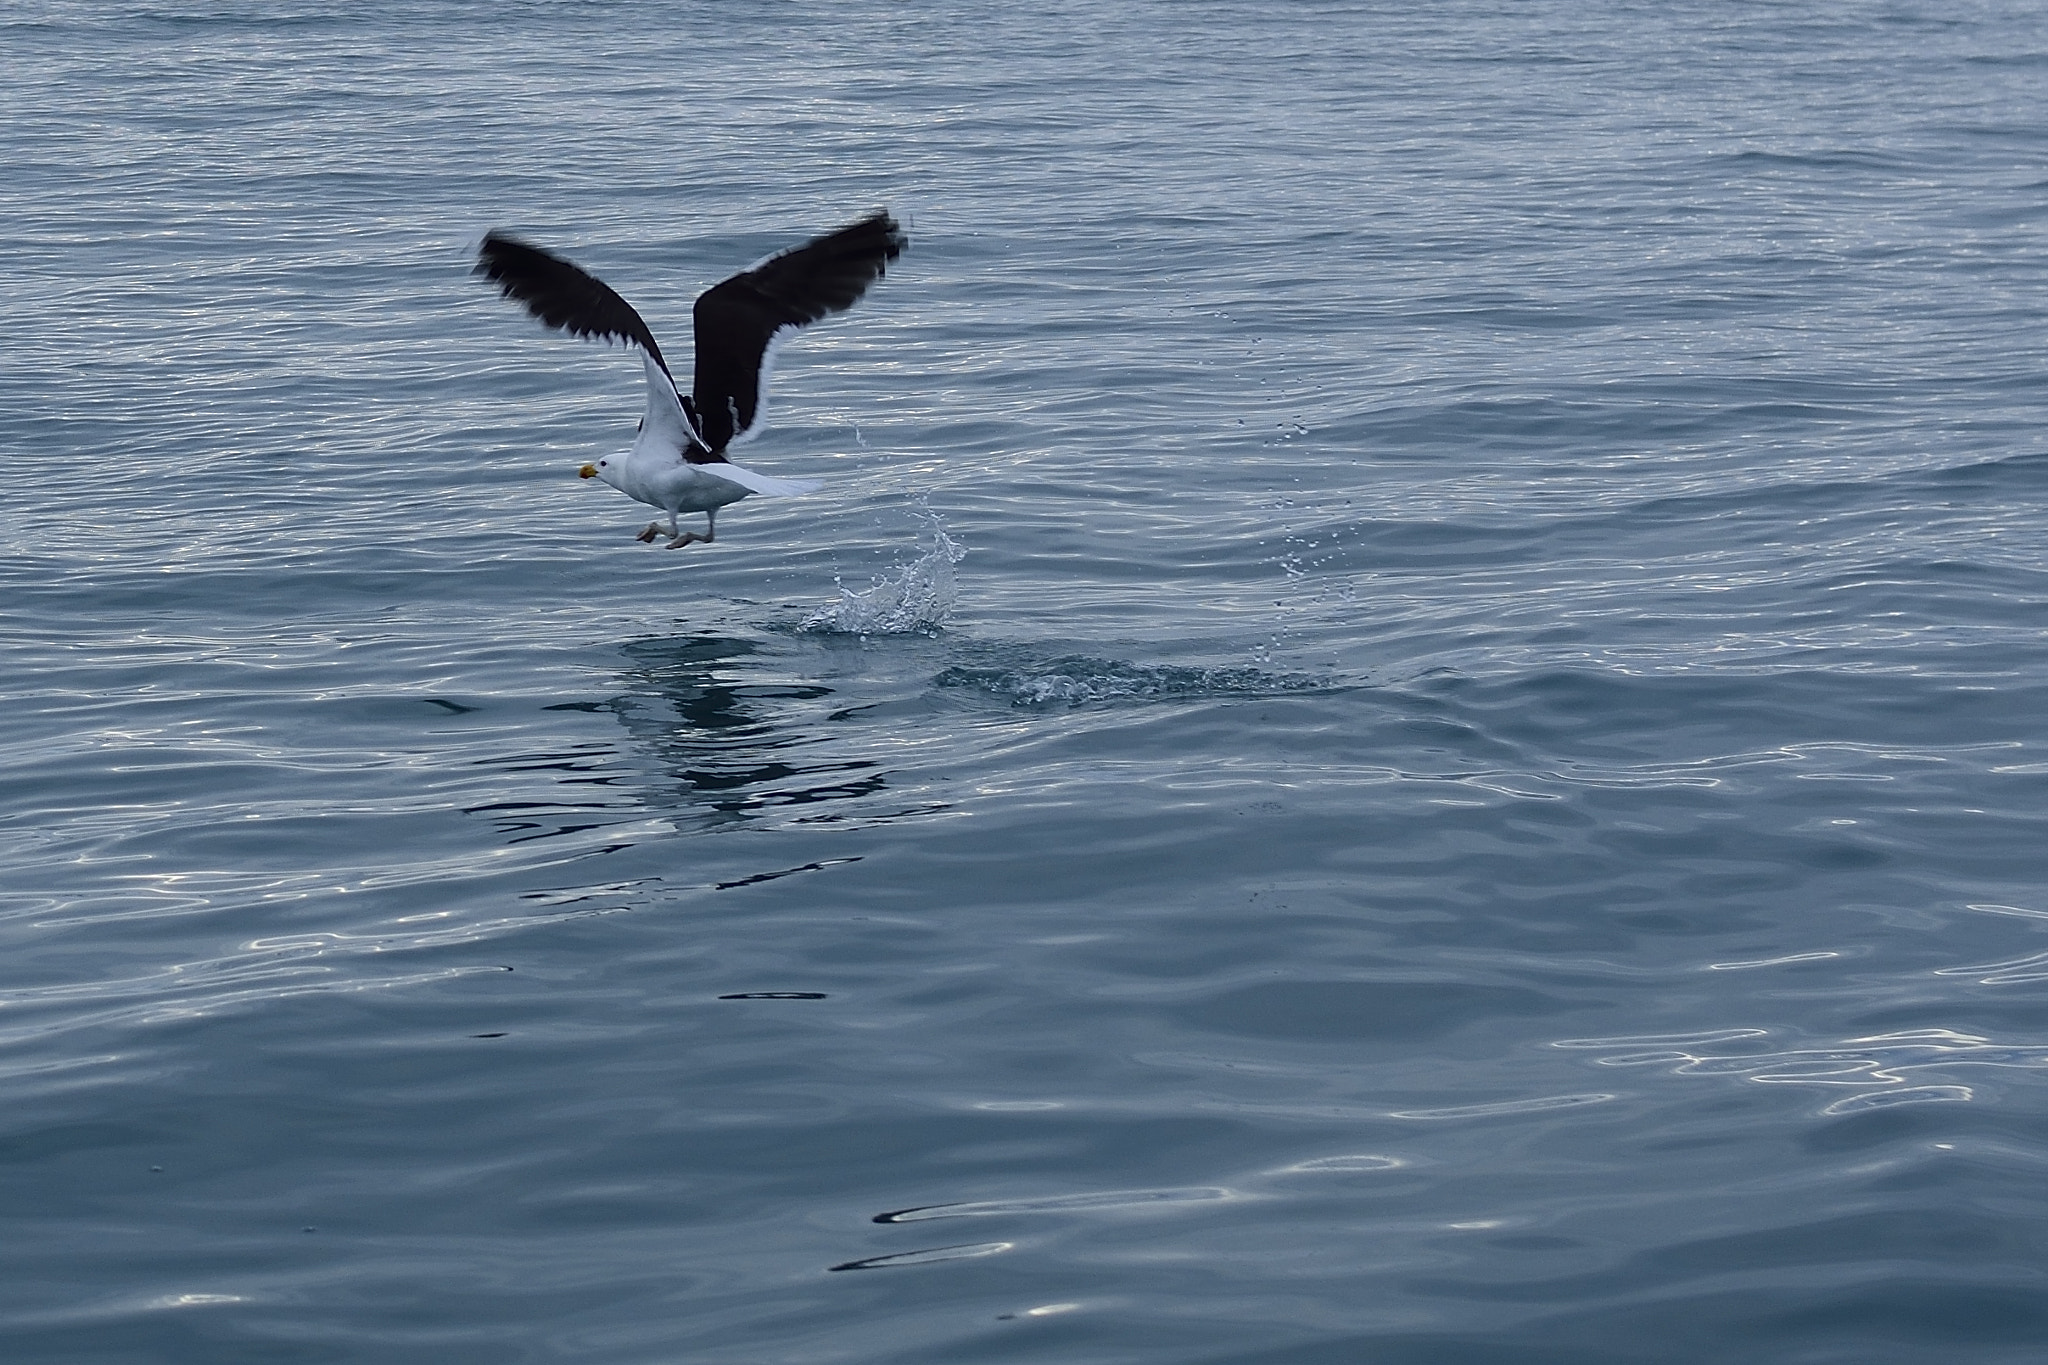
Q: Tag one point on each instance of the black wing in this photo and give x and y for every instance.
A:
(562, 295)
(736, 320)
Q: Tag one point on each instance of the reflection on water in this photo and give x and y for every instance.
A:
(584, 765)
(731, 741)
(718, 731)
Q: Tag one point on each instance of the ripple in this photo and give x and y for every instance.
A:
(1078, 680)
(1538, 1105)
(1886, 1069)
(2019, 970)
(966, 1251)
(1915, 1094)
(1062, 1203)
(1323, 1165)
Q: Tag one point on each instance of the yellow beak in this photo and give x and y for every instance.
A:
(588, 471)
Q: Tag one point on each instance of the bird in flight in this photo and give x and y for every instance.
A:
(678, 463)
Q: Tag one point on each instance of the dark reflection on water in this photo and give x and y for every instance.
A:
(585, 765)
(713, 736)
(733, 746)
(759, 877)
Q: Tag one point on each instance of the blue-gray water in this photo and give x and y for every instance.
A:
(1413, 726)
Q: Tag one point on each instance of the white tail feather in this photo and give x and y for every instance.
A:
(767, 485)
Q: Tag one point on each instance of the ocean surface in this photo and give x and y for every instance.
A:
(1412, 727)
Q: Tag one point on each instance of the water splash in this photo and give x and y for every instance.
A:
(914, 600)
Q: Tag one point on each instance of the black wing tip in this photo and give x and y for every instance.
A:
(561, 294)
(500, 254)
(497, 244)
(500, 250)
(894, 238)
(891, 225)
(877, 234)
(866, 244)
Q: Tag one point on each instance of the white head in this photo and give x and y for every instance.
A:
(607, 469)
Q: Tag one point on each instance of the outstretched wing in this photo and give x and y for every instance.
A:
(563, 295)
(737, 321)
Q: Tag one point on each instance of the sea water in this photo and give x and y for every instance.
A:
(1410, 727)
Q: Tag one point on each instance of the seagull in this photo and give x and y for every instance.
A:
(678, 462)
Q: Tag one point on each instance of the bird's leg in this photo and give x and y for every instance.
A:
(654, 529)
(691, 537)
